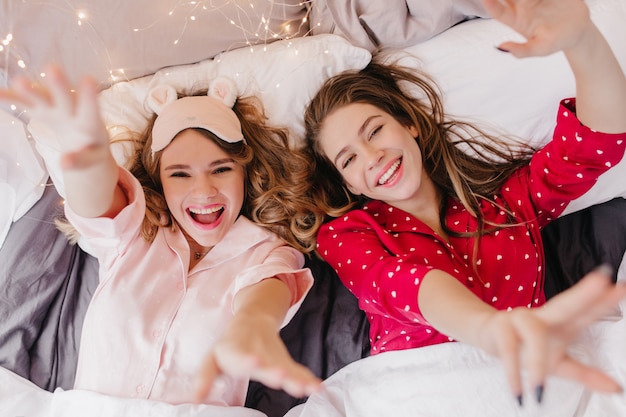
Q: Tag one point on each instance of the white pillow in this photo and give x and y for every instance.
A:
(516, 96)
(284, 75)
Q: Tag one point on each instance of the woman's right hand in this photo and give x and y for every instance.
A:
(72, 114)
(90, 173)
(537, 339)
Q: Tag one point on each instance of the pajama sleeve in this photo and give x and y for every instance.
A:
(565, 168)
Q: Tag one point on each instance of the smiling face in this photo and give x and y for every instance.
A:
(203, 186)
(376, 155)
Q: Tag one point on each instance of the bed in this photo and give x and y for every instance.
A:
(282, 51)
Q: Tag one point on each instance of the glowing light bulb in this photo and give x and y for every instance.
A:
(82, 15)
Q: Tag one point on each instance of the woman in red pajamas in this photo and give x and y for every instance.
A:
(440, 246)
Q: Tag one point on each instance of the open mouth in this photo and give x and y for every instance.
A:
(206, 215)
(390, 174)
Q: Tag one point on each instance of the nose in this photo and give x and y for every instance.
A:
(204, 186)
(374, 156)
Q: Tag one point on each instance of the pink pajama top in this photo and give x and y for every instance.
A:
(381, 253)
(151, 322)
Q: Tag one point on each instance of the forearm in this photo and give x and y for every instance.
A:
(600, 83)
(452, 309)
(91, 182)
(268, 299)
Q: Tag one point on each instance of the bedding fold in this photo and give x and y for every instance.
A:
(392, 23)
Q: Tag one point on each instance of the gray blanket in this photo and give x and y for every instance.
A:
(378, 24)
(45, 286)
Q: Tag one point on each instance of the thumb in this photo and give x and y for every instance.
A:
(209, 372)
(524, 49)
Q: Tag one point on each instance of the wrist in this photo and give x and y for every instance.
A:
(256, 320)
(581, 51)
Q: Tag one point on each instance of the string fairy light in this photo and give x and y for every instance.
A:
(259, 22)
(255, 23)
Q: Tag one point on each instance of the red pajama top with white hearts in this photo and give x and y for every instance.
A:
(381, 253)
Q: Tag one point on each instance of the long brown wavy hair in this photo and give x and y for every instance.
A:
(275, 176)
(463, 161)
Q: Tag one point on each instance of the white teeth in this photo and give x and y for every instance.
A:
(205, 211)
(392, 170)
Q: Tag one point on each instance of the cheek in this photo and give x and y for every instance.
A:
(240, 195)
(352, 182)
(171, 194)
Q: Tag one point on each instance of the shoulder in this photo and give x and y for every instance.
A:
(368, 222)
(372, 213)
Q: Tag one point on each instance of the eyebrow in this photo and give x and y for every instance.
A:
(217, 162)
(359, 133)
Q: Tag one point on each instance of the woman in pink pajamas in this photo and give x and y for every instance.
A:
(441, 246)
(199, 269)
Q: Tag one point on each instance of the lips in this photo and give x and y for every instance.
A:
(389, 175)
(207, 215)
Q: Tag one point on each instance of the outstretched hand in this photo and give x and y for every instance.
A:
(252, 348)
(537, 339)
(73, 115)
(548, 25)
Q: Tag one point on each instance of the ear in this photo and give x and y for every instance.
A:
(223, 89)
(160, 96)
(413, 130)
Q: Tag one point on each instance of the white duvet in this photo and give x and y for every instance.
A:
(447, 380)
(21, 398)
(454, 379)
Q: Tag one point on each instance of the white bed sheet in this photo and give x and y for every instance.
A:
(21, 398)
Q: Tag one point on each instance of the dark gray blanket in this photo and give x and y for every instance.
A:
(45, 286)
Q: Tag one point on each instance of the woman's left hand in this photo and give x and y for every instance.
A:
(537, 339)
(252, 348)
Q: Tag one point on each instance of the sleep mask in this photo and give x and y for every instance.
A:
(212, 112)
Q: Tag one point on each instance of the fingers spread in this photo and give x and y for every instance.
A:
(87, 100)
(508, 347)
(206, 377)
(29, 94)
(500, 10)
(585, 302)
(592, 378)
(536, 346)
(60, 91)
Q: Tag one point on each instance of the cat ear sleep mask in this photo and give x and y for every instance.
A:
(212, 112)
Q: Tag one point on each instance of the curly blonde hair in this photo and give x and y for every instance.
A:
(275, 181)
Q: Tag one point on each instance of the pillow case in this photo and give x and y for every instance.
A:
(284, 75)
(120, 40)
